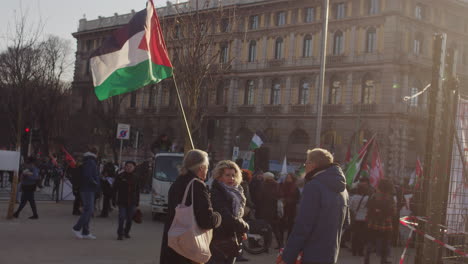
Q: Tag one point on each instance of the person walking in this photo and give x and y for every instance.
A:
(194, 166)
(127, 193)
(268, 206)
(323, 212)
(29, 179)
(358, 207)
(291, 196)
(107, 181)
(229, 200)
(381, 209)
(89, 185)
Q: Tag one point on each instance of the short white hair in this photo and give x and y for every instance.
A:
(321, 157)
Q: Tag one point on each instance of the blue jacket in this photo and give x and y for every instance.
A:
(323, 213)
(89, 181)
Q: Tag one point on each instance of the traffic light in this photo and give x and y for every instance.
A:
(27, 130)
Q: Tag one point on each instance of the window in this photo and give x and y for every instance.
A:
(334, 92)
(417, 45)
(177, 32)
(371, 40)
(304, 91)
(368, 90)
(307, 47)
(309, 15)
(340, 10)
(133, 99)
(89, 44)
(279, 48)
(253, 22)
(338, 43)
(419, 11)
(275, 93)
(249, 93)
(281, 18)
(224, 27)
(88, 67)
(224, 54)
(414, 100)
(374, 6)
(252, 51)
(151, 96)
(220, 94)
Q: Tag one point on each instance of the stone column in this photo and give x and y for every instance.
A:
(287, 94)
(292, 47)
(259, 105)
(348, 93)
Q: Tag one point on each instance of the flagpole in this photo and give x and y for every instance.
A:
(181, 106)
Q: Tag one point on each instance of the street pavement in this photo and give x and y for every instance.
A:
(49, 239)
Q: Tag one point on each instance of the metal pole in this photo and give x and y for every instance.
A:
(323, 60)
(120, 154)
(181, 106)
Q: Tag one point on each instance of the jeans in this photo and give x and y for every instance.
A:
(87, 198)
(27, 196)
(125, 218)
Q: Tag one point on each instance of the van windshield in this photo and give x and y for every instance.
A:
(167, 168)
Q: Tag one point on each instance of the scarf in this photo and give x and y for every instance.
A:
(238, 199)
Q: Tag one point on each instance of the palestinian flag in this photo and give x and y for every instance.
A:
(254, 144)
(132, 57)
(354, 166)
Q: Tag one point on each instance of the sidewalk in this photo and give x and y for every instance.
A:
(49, 240)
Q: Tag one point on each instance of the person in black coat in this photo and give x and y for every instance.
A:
(229, 200)
(267, 208)
(195, 165)
(127, 194)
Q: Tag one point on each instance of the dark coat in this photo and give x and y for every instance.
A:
(89, 181)
(232, 227)
(323, 213)
(267, 207)
(205, 217)
(291, 196)
(126, 190)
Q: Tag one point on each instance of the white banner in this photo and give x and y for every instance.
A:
(9, 160)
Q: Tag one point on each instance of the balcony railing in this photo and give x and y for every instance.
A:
(333, 108)
(364, 108)
(217, 109)
(336, 59)
(276, 62)
(300, 109)
(168, 109)
(272, 109)
(246, 109)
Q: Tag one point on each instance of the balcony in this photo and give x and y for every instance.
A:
(302, 109)
(246, 109)
(276, 62)
(336, 59)
(168, 110)
(217, 109)
(364, 108)
(333, 108)
(272, 109)
(150, 110)
(301, 61)
(131, 111)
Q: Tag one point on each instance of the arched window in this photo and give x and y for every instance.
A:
(275, 98)
(374, 6)
(338, 43)
(371, 40)
(299, 136)
(334, 91)
(307, 47)
(368, 90)
(279, 48)
(249, 93)
(252, 51)
(304, 92)
(418, 45)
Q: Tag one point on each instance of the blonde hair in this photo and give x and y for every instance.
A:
(321, 157)
(227, 164)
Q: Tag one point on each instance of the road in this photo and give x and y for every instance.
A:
(49, 240)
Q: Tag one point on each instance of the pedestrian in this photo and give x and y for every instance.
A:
(29, 179)
(89, 185)
(323, 212)
(255, 189)
(127, 195)
(249, 205)
(381, 209)
(291, 195)
(358, 207)
(195, 166)
(267, 208)
(107, 181)
(229, 200)
(56, 176)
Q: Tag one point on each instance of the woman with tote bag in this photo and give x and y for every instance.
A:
(195, 166)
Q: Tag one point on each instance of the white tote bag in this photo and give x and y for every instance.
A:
(185, 237)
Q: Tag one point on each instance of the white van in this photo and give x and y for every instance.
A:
(166, 168)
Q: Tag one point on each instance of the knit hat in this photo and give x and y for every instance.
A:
(268, 175)
(193, 158)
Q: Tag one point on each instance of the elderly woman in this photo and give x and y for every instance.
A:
(229, 200)
(195, 165)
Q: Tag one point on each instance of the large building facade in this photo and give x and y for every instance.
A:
(378, 52)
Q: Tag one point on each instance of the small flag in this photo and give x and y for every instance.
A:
(284, 170)
(354, 167)
(376, 171)
(256, 142)
(132, 57)
(69, 159)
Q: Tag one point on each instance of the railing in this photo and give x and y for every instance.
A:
(299, 109)
(246, 109)
(217, 109)
(333, 108)
(276, 62)
(170, 109)
(272, 109)
(364, 108)
(336, 59)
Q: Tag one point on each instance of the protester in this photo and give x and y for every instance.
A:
(255, 189)
(249, 205)
(195, 165)
(89, 185)
(229, 200)
(381, 209)
(322, 212)
(162, 144)
(127, 194)
(107, 181)
(29, 178)
(56, 173)
(291, 196)
(358, 207)
(267, 207)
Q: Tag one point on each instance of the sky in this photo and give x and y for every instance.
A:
(60, 17)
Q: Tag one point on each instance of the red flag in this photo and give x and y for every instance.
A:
(69, 159)
(376, 172)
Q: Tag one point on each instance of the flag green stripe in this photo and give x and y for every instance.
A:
(128, 79)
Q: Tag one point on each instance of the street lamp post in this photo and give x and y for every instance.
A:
(323, 60)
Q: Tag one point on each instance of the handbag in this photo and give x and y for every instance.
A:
(229, 247)
(185, 236)
(138, 216)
